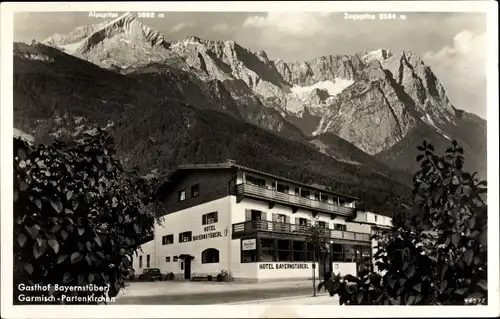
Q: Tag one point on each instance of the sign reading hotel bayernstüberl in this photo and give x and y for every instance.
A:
(210, 232)
(285, 266)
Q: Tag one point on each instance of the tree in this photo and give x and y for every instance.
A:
(319, 238)
(78, 218)
(436, 253)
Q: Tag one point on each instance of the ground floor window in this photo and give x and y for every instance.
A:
(249, 256)
(210, 256)
(299, 250)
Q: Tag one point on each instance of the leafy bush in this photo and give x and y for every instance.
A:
(78, 218)
(436, 254)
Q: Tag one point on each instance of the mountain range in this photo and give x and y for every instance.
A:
(348, 121)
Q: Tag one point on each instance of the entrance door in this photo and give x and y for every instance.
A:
(187, 268)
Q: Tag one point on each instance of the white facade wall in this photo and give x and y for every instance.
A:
(143, 251)
(344, 268)
(190, 219)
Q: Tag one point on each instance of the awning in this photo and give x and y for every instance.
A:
(186, 256)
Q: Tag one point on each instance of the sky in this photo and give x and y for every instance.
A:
(453, 44)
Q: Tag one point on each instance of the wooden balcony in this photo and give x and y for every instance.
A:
(254, 226)
(246, 190)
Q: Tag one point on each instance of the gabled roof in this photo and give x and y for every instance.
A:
(230, 164)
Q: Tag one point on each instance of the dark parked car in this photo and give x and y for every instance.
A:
(151, 274)
(131, 274)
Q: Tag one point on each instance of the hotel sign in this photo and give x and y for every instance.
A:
(249, 244)
(284, 266)
(209, 232)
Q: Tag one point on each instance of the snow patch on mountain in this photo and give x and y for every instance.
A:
(428, 119)
(315, 98)
(72, 48)
(332, 87)
(377, 55)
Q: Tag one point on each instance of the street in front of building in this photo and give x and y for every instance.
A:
(205, 293)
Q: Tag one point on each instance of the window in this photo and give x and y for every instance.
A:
(210, 256)
(148, 261)
(185, 237)
(299, 250)
(305, 194)
(337, 252)
(301, 221)
(316, 196)
(375, 218)
(195, 190)
(167, 259)
(255, 181)
(280, 218)
(210, 218)
(182, 265)
(140, 261)
(176, 258)
(182, 196)
(322, 224)
(283, 188)
(252, 214)
(297, 191)
(249, 256)
(167, 240)
(267, 250)
(341, 227)
(284, 250)
(324, 198)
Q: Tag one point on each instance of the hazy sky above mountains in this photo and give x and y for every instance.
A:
(453, 44)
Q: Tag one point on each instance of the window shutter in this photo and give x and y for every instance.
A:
(180, 237)
(297, 221)
(275, 217)
(248, 214)
(263, 215)
(204, 219)
(287, 219)
(216, 216)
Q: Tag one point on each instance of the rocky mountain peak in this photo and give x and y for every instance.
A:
(192, 38)
(119, 43)
(378, 55)
(338, 93)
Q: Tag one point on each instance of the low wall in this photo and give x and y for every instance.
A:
(286, 270)
(344, 268)
(268, 271)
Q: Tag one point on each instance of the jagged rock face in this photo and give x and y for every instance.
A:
(372, 99)
(325, 68)
(120, 43)
(396, 92)
(368, 114)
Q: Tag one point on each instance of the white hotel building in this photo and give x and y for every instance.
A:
(254, 226)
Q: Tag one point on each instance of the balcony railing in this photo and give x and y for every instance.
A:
(253, 226)
(265, 193)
